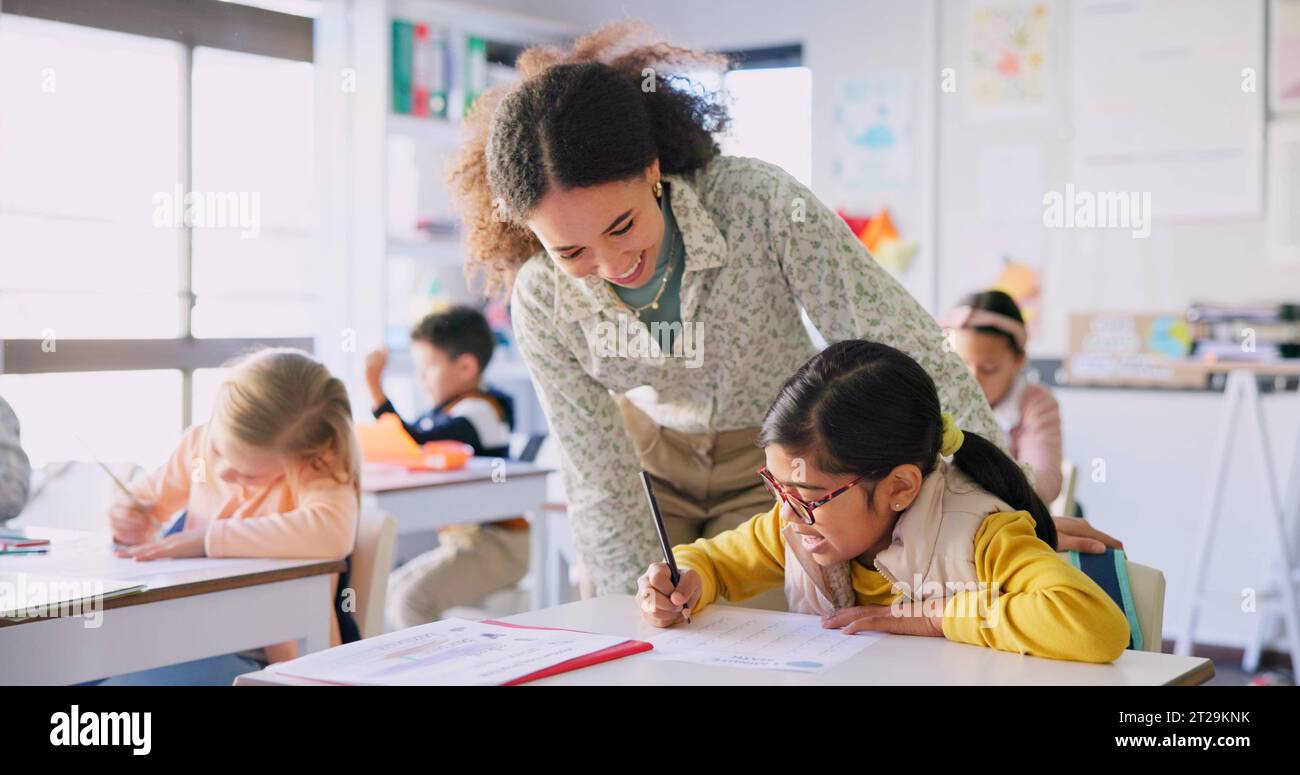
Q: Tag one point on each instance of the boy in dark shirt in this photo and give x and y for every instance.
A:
(450, 350)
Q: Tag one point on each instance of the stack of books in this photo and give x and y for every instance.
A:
(1245, 333)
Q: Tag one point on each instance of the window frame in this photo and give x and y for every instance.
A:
(207, 23)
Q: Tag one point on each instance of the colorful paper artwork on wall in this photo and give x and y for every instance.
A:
(878, 234)
(1006, 56)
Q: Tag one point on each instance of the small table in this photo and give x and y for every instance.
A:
(485, 490)
(189, 609)
(895, 660)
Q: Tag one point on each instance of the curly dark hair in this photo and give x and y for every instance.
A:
(596, 112)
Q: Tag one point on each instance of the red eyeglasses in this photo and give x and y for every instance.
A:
(804, 509)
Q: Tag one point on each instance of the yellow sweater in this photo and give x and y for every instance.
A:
(1044, 607)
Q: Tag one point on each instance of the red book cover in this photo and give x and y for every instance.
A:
(624, 649)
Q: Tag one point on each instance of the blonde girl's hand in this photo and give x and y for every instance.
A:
(131, 520)
(187, 543)
(663, 605)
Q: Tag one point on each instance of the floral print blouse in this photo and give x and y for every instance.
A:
(759, 246)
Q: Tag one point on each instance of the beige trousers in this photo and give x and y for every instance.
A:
(469, 563)
(705, 483)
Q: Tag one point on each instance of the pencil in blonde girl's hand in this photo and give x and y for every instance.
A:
(660, 602)
(131, 518)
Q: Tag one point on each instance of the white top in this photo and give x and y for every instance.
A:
(1007, 412)
(482, 414)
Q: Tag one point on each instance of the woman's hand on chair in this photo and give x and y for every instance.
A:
(1076, 534)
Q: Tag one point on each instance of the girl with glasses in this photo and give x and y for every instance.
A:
(890, 518)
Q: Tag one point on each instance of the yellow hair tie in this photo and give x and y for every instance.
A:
(952, 436)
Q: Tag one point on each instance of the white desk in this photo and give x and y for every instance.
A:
(485, 490)
(895, 660)
(190, 609)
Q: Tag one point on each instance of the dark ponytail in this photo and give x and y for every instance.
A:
(864, 408)
(992, 469)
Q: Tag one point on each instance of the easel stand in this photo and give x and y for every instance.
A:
(1278, 600)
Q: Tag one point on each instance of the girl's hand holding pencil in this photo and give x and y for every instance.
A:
(663, 604)
(665, 595)
(131, 520)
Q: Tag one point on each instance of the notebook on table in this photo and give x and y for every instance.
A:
(459, 652)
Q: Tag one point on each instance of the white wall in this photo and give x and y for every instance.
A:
(841, 38)
(1085, 270)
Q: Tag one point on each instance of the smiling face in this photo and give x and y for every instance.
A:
(991, 358)
(237, 463)
(858, 523)
(612, 230)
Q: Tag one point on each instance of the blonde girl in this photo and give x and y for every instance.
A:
(275, 473)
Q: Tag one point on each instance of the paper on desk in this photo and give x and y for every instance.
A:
(763, 640)
(91, 555)
(451, 651)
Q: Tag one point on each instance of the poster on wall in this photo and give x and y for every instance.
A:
(1139, 108)
(1284, 193)
(872, 138)
(1284, 56)
(1005, 59)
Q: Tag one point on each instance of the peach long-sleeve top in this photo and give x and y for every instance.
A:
(307, 515)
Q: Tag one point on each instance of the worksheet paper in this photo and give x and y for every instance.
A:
(90, 555)
(763, 640)
(448, 652)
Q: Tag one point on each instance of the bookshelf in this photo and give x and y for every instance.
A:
(389, 228)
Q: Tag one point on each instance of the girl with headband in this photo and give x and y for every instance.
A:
(988, 332)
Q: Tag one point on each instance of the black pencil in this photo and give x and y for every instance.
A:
(663, 537)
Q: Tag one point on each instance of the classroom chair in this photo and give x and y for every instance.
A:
(1148, 585)
(372, 560)
(559, 558)
(1146, 591)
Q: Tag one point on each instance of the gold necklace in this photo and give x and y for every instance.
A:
(663, 285)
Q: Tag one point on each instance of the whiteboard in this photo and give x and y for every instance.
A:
(1188, 76)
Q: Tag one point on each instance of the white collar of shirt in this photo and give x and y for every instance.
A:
(1007, 412)
(706, 248)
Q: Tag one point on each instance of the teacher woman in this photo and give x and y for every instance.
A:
(657, 288)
